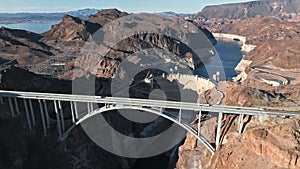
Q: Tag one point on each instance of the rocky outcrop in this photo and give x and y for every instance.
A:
(274, 62)
(217, 17)
(258, 30)
(241, 70)
(284, 54)
(106, 15)
(268, 78)
(272, 144)
(23, 80)
(70, 34)
(279, 8)
(71, 29)
(23, 46)
(153, 37)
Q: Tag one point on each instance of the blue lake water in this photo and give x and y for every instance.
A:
(227, 58)
(38, 27)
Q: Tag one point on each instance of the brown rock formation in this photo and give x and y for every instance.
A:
(284, 53)
(96, 63)
(272, 82)
(106, 15)
(271, 144)
(23, 45)
(258, 30)
(268, 8)
(71, 29)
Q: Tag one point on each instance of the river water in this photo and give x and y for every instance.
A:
(228, 56)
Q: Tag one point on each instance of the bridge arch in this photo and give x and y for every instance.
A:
(178, 122)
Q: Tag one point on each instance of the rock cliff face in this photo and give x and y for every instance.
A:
(273, 143)
(258, 30)
(106, 16)
(72, 34)
(269, 78)
(71, 29)
(216, 17)
(23, 46)
(273, 66)
(278, 8)
(66, 40)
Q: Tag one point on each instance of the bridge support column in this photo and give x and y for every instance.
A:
(179, 116)
(11, 107)
(61, 116)
(76, 110)
(199, 123)
(1, 100)
(32, 112)
(219, 125)
(72, 111)
(88, 108)
(17, 106)
(92, 107)
(57, 120)
(43, 117)
(27, 114)
(241, 123)
(47, 114)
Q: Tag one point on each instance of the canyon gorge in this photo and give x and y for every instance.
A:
(268, 78)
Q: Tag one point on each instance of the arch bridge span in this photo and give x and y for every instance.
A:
(82, 107)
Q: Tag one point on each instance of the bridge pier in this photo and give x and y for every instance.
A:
(179, 116)
(27, 114)
(17, 106)
(1, 100)
(76, 110)
(57, 120)
(11, 107)
(43, 118)
(219, 125)
(72, 111)
(92, 107)
(31, 112)
(61, 116)
(241, 123)
(88, 108)
(199, 123)
(47, 114)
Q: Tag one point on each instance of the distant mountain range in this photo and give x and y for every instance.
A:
(284, 9)
(277, 8)
(170, 13)
(8, 18)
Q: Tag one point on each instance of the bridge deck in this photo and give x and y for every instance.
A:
(114, 103)
(146, 102)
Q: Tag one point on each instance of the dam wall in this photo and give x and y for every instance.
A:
(192, 82)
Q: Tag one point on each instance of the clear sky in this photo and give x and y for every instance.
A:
(183, 6)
